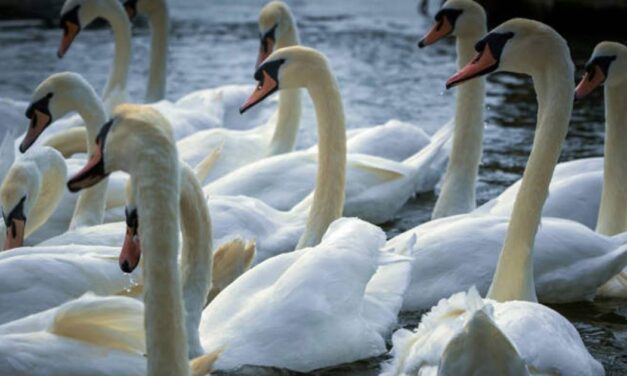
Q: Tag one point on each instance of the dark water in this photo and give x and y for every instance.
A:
(372, 48)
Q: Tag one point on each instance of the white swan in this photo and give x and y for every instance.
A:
(465, 20)
(529, 338)
(376, 187)
(570, 261)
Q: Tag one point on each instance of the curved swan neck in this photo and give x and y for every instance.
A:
(91, 204)
(328, 199)
(613, 211)
(159, 19)
(513, 279)
(116, 85)
(290, 108)
(196, 255)
(157, 201)
(459, 187)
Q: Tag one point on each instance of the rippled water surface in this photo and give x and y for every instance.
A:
(382, 75)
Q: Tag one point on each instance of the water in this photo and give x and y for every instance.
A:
(382, 75)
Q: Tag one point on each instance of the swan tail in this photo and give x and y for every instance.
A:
(203, 364)
(205, 166)
(69, 142)
(481, 348)
(230, 260)
(113, 322)
(430, 160)
(385, 291)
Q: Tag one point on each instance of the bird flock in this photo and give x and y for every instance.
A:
(281, 261)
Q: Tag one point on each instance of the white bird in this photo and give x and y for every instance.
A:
(570, 261)
(466, 21)
(528, 338)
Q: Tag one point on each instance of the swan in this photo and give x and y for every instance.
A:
(165, 336)
(565, 251)
(53, 98)
(376, 187)
(465, 20)
(529, 337)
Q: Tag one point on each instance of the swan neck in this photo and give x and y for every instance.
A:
(157, 201)
(328, 199)
(159, 27)
(613, 211)
(287, 123)
(91, 203)
(196, 255)
(458, 190)
(116, 85)
(513, 279)
(288, 37)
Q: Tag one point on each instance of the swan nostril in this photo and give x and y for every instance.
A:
(125, 266)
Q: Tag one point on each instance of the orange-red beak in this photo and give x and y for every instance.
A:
(15, 234)
(38, 122)
(266, 87)
(131, 251)
(265, 49)
(439, 30)
(91, 174)
(70, 31)
(483, 63)
(589, 82)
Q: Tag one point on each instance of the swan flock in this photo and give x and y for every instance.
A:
(282, 262)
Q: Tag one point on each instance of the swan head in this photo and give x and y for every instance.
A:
(77, 14)
(20, 186)
(287, 68)
(276, 23)
(56, 96)
(607, 65)
(516, 46)
(459, 18)
(135, 134)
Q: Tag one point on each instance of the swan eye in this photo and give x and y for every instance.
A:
(40, 105)
(496, 41)
(603, 62)
(16, 213)
(70, 17)
(450, 14)
(132, 220)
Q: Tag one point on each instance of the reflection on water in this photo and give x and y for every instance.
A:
(382, 75)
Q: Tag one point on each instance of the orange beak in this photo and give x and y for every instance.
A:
(438, 31)
(589, 82)
(264, 89)
(15, 234)
(91, 174)
(69, 33)
(265, 49)
(483, 63)
(38, 123)
(131, 251)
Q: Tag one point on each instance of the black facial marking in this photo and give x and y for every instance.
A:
(496, 42)
(132, 5)
(269, 35)
(451, 14)
(270, 67)
(603, 62)
(132, 220)
(70, 16)
(41, 105)
(16, 213)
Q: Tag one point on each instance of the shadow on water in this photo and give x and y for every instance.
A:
(382, 75)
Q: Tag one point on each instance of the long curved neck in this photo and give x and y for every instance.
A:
(513, 279)
(613, 211)
(158, 203)
(91, 204)
(53, 173)
(458, 190)
(328, 199)
(159, 27)
(290, 108)
(196, 256)
(115, 90)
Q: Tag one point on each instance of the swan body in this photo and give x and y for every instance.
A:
(536, 340)
(340, 293)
